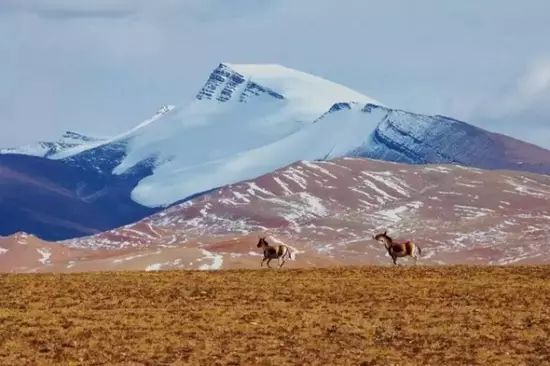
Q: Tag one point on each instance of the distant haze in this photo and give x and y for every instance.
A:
(100, 67)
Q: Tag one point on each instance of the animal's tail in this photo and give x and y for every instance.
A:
(419, 250)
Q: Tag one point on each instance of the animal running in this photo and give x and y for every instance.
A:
(279, 252)
(397, 249)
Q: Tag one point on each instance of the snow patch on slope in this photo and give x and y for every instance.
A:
(153, 267)
(45, 255)
(217, 260)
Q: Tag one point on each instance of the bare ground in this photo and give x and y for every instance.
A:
(352, 315)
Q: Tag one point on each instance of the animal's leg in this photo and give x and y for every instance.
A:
(394, 260)
(269, 260)
(263, 260)
(417, 252)
(282, 263)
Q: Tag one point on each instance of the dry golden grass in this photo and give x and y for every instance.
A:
(357, 316)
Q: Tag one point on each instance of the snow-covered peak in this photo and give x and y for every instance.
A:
(241, 82)
(225, 84)
(263, 102)
(240, 110)
(241, 107)
(75, 137)
(294, 84)
(47, 149)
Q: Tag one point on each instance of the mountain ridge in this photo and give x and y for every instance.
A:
(48, 149)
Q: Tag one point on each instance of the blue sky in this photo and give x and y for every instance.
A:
(100, 67)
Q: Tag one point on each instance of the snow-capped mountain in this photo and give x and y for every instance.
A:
(249, 120)
(246, 121)
(68, 140)
(240, 109)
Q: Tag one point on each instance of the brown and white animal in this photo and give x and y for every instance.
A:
(278, 252)
(398, 249)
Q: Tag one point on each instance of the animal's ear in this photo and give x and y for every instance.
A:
(385, 232)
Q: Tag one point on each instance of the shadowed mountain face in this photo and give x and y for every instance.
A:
(327, 213)
(57, 199)
(419, 139)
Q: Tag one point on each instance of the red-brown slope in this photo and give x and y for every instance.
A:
(328, 212)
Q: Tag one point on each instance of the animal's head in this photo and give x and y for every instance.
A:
(262, 242)
(383, 238)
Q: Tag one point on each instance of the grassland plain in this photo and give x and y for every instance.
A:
(457, 315)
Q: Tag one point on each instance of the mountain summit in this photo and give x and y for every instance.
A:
(309, 92)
